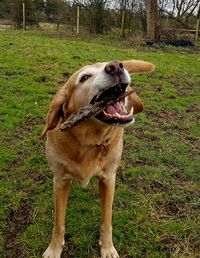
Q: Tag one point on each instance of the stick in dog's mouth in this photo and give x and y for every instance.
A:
(108, 106)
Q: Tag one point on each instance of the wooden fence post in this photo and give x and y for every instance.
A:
(197, 31)
(78, 20)
(24, 16)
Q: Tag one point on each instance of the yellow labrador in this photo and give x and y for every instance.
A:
(92, 148)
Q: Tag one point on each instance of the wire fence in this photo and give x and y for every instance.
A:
(77, 19)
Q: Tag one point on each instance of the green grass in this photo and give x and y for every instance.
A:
(157, 202)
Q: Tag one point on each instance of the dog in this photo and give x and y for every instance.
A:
(94, 146)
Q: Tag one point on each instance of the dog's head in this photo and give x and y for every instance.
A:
(93, 83)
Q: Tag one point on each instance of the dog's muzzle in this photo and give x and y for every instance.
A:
(116, 113)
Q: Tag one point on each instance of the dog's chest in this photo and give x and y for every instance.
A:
(94, 163)
(83, 165)
(84, 182)
(82, 162)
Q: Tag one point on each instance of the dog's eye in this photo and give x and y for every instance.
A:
(85, 77)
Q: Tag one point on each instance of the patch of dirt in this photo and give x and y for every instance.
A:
(13, 74)
(179, 175)
(76, 57)
(36, 177)
(157, 186)
(172, 123)
(172, 208)
(66, 75)
(192, 108)
(142, 183)
(42, 79)
(180, 247)
(185, 91)
(142, 134)
(164, 116)
(51, 92)
(18, 221)
(177, 209)
(18, 133)
(31, 123)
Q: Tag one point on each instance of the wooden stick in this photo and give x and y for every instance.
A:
(90, 111)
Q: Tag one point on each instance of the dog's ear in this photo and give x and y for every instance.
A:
(135, 102)
(137, 66)
(55, 111)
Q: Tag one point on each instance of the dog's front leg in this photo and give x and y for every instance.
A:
(107, 189)
(61, 193)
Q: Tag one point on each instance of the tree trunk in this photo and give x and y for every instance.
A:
(197, 26)
(152, 19)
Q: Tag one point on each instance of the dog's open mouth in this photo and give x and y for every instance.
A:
(116, 112)
(108, 106)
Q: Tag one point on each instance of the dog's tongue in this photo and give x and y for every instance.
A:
(118, 107)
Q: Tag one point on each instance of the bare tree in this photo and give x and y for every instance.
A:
(182, 10)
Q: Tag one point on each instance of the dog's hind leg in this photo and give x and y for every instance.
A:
(61, 193)
(107, 189)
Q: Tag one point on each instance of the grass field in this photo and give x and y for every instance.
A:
(157, 202)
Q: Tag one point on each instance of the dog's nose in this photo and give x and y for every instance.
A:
(114, 68)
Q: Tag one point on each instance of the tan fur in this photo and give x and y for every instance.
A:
(78, 154)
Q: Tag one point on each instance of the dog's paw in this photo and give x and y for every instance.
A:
(52, 252)
(109, 253)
